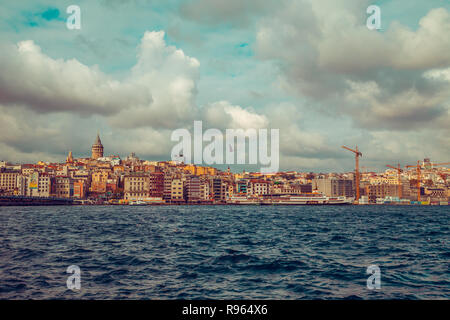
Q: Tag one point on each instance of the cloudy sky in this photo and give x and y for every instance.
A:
(139, 69)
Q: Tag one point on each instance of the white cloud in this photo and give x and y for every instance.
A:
(159, 91)
(223, 115)
(171, 77)
(326, 54)
(44, 84)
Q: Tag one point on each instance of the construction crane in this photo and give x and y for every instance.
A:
(357, 155)
(419, 174)
(419, 177)
(440, 164)
(399, 171)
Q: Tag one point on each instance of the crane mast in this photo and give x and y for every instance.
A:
(357, 178)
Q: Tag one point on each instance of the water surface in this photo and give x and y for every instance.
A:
(225, 252)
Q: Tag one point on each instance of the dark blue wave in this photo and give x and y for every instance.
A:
(226, 252)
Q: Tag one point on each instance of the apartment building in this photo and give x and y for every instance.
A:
(99, 181)
(63, 187)
(192, 190)
(217, 191)
(258, 187)
(42, 186)
(205, 194)
(136, 187)
(156, 184)
(176, 190)
(333, 187)
(8, 180)
(167, 189)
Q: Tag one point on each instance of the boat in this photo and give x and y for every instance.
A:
(300, 199)
(242, 199)
(340, 200)
(291, 199)
(138, 203)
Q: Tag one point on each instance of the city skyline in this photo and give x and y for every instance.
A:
(97, 152)
(162, 66)
(102, 179)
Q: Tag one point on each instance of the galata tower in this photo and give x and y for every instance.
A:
(97, 148)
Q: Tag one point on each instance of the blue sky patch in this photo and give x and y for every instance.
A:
(50, 14)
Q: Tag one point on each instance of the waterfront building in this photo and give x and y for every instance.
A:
(258, 187)
(8, 180)
(219, 189)
(167, 190)
(381, 191)
(436, 194)
(22, 185)
(205, 194)
(334, 187)
(136, 187)
(192, 189)
(287, 188)
(156, 184)
(63, 187)
(241, 186)
(79, 189)
(176, 191)
(42, 188)
(230, 189)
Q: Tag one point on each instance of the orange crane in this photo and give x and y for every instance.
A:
(419, 177)
(399, 171)
(440, 164)
(419, 174)
(357, 155)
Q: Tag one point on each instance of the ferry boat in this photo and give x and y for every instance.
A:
(300, 199)
(137, 203)
(340, 200)
(242, 199)
(309, 199)
(286, 199)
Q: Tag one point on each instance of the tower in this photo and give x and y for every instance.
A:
(69, 158)
(97, 148)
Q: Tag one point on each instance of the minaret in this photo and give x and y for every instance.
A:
(69, 158)
(97, 148)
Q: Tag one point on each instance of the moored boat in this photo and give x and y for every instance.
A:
(137, 203)
(292, 199)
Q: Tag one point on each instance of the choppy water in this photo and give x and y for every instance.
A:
(225, 252)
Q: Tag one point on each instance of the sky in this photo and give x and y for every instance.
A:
(137, 70)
